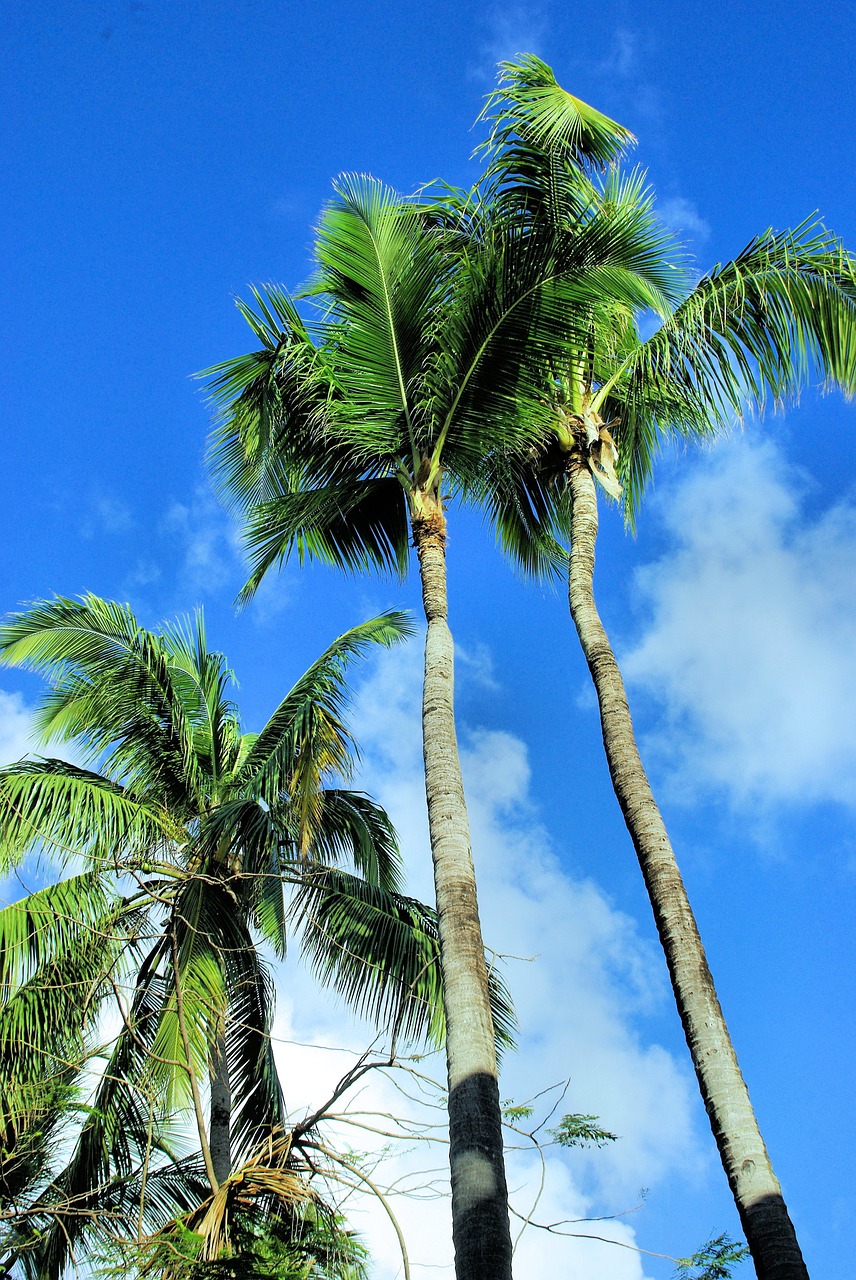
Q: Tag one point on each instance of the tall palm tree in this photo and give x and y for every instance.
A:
(342, 438)
(752, 329)
(198, 842)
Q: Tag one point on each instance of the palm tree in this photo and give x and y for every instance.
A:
(343, 437)
(751, 329)
(187, 829)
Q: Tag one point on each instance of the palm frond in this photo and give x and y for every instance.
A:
(69, 812)
(754, 328)
(47, 1020)
(32, 1112)
(380, 951)
(523, 498)
(111, 689)
(384, 272)
(254, 1078)
(38, 928)
(268, 404)
(120, 1124)
(530, 112)
(357, 524)
(305, 738)
(377, 949)
(352, 826)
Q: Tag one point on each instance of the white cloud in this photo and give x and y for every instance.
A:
(751, 632)
(197, 556)
(582, 980)
(208, 543)
(682, 215)
(514, 29)
(623, 57)
(15, 728)
(106, 515)
(476, 664)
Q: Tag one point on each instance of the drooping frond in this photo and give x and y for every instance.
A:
(254, 1079)
(55, 988)
(352, 827)
(32, 1114)
(531, 115)
(122, 1121)
(111, 691)
(378, 950)
(355, 524)
(38, 928)
(67, 812)
(269, 405)
(523, 499)
(305, 739)
(754, 328)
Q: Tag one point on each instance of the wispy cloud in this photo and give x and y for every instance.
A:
(207, 542)
(622, 59)
(629, 67)
(476, 664)
(681, 214)
(106, 515)
(512, 29)
(750, 634)
(16, 734)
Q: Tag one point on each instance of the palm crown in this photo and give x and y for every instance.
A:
(437, 321)
(750, 330)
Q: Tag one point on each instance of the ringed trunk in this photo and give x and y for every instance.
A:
(480, 1224)
(767, 1226)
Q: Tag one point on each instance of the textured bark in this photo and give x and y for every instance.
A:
(220, 1124)
(763, 1214)
(480, 1225)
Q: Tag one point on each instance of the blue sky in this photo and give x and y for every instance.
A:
(158, 157)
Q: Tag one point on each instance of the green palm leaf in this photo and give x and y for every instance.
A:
(111, 689)
(356, 527)
(753, 328)
(42, 926)
(306, 738)
(352, 826)
(380, 951)
(69, 812)
(530, 111)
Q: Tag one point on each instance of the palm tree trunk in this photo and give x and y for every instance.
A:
(769, 1231)
(480, 1225)
(220, 1123)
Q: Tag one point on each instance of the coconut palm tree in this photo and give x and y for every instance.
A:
(752, 329)
(190, 843)
(343, 437)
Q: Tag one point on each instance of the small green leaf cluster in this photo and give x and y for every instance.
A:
(713, 1261)
(581, 1131)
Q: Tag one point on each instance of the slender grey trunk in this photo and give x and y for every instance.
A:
(768, 1228)
(220, 1123)
(480, 1225)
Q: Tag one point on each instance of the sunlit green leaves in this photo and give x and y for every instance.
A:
(191, 842)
